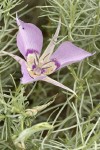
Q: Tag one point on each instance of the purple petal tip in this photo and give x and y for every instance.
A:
(19, 22)
(17, 19)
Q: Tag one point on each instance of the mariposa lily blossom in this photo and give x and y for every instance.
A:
(36, 67)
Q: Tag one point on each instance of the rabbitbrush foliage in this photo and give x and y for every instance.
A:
(73, 122)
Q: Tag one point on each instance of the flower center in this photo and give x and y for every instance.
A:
(38, 67)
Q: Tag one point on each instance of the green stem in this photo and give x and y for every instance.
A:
(9, 138)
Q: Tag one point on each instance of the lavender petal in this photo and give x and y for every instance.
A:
(26, 77)
(29, 37)
(49, 80)
(50, 48)
(67, 53)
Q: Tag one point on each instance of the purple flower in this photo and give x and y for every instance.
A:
(35, 67)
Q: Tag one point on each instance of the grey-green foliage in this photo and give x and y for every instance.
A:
(81, 25)
(80, 19)
(75, 119)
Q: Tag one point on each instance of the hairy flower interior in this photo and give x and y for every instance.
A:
(37, 67)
